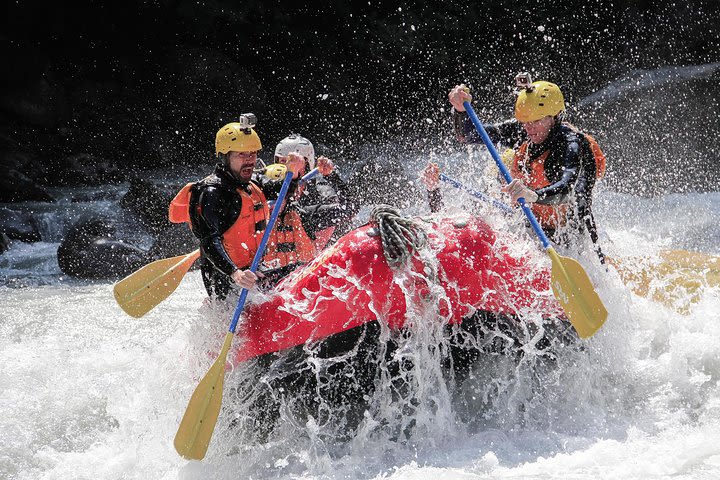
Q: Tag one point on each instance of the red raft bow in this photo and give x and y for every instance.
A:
(351, 284)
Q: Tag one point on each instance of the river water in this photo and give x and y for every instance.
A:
(88, 392)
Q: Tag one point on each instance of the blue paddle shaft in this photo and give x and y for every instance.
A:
(309, 176)
(475, 193)
(261, 248)
(306, 178)
(506, 174)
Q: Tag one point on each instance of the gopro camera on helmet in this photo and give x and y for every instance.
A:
(523, 81)
(247, 121)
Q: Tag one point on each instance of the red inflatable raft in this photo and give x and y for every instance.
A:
(351, 284)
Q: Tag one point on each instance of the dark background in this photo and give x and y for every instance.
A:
(97, 91)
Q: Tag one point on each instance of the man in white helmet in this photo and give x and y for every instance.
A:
(314, 212)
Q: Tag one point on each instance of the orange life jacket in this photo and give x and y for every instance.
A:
(289, 243)
(532, 173)
(598, 155)
(241, 240)
(322, 237)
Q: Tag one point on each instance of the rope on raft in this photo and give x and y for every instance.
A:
(400, 236)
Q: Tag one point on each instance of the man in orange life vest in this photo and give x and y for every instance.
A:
(227, 211)
(555, 165)
(314, 212)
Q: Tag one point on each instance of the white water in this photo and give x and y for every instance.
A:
(87, 392)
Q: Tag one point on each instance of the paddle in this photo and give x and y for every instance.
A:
(476, 194)
(675, 280)
(306, 178)
(570, 282)
(143, 290)
(198, 423)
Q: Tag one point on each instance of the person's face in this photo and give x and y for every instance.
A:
(242, 164)
(539, 129)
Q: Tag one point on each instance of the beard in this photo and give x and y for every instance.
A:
(244, 172)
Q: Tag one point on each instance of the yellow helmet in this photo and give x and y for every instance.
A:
(236, 137)
(541, 100)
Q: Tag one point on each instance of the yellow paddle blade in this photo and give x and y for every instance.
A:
(576, 294)
(198, 423)
(676, 278)
(141, 291)
(686, 268)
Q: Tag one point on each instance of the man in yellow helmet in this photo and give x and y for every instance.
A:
(555, 165)
(227, 211)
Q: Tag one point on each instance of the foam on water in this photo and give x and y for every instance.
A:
(88, 392)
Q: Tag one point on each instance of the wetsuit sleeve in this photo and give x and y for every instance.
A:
(583, 196)
(559, 191)
(210, 230)
(327, 205)
(506, 133)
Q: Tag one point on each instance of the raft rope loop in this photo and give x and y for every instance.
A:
(400, 236)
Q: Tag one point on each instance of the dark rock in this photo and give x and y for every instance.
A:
(175, 240)
(13, 158)
(17, 187)
(93, 196)
(85, 169)
(89, 250)
(150, 203)
(19, 225)
(4, 243)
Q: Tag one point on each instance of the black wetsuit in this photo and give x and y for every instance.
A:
(570, 167)
(214, 207)
(322, 204)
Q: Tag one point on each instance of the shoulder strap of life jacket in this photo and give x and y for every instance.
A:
(598, 155)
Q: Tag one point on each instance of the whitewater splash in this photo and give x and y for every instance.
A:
(89, 393)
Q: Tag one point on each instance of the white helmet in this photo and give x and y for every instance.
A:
(296, 144)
